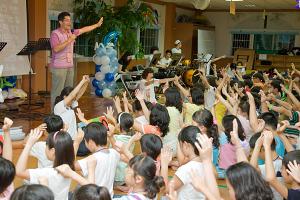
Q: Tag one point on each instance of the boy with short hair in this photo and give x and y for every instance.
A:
(107, 158)
(293, 156)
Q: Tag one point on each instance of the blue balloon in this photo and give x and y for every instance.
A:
(98, 92)
(114, 62)
(101, 51)
(112, 85)
(98, 68)
(101, 85)
(111, 52)
(109, 77)
(11, 79)
(95, 83)
(111, 36)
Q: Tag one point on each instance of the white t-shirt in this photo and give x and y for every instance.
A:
(38, 151)
(142, 120)
(175, 50)
(187, 191)
(165, 61)
(68, 116)
(148, 91)
(105, 170)
(277, 167)
(57, 183)
(209, 98)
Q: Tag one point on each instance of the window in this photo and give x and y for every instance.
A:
(240, 40)
(149, 38)
(273, 43)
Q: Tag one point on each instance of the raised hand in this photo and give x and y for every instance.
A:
(261, 125)
(268, 138)
(205, 147)
(294, 170)
(34, 136)
(80, 115)
(234, 133)
(259, 142)
(109, 113)
(7, 124)
(137, 136)
(42, 127)
(65, 170)
(283, 125)
(111, 131)
(100, 22)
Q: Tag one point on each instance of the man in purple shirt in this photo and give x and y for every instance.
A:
(62, 42)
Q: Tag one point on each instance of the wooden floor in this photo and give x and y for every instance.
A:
(92, 106)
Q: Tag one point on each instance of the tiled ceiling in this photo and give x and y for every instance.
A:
(246, 4)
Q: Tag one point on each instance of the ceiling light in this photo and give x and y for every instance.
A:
(250, 5)
(234, 0)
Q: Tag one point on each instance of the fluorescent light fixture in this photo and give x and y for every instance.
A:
(234, 0)
(250, 5)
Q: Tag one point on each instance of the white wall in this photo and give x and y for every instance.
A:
(225, 23)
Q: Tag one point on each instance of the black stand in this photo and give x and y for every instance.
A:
(29, 49)
(2, 45)
(43, 44)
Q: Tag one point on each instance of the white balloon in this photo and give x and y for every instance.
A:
(97, 59)
(105, 69)
(100, 76)
(104, 60)
(106, 93)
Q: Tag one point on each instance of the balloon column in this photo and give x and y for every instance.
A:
(106, 66)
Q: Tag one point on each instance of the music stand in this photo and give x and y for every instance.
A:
(2, 45)
(176, 58)
(43, 44)
(28, 50)
(155, 59)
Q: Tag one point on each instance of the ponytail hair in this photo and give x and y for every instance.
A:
(65, 92)
(145, 166)
(205, 118)
(125, 120)
(189, 134)
(62, 142)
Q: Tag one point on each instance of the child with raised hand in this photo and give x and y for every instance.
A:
(123, 126)
(67, 101)
(204, 120)
(7, 168)
(141, 177)
(158, 118)
(227, 150)
(207, 183)
(188, 157)
(60, 150)
(51, 124)
(293, 156)
(107, 158)
(256, 143)
(195, 101)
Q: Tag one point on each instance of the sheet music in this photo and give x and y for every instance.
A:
(13, 20)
